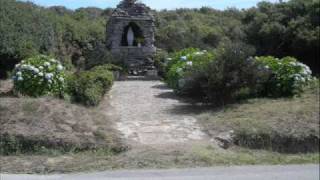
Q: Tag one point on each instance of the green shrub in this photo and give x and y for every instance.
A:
(288, 76)
(233, 73)
(181, 64)
(219, 77)
(39, 75)
(160, 61)
(89, 87)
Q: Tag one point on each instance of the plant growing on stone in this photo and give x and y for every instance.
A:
(39, 75)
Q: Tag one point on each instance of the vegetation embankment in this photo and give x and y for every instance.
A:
(47, 125)
(276, 100)
(286, 125)
(33, 124)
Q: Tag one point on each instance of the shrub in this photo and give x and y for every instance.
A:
(218, 77)
(233, 73)
(89, 87)
(181, 64)
(288, 76)
(160, 61)
(39, 75)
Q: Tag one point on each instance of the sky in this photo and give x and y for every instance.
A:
(154, 4)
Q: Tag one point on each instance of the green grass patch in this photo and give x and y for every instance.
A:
(283, 125)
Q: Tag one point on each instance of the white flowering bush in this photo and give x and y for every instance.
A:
(38, 76)
(182, 62)
(288, 76)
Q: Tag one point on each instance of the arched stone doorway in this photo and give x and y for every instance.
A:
(132, 35)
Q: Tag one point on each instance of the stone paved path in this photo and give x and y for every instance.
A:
(150, 114)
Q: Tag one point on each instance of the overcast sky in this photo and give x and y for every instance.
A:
(155, 4)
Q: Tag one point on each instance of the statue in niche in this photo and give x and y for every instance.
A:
(130, 37)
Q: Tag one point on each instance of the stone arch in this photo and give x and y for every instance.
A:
(138, 34)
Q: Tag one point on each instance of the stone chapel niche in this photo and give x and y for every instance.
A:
(130, 36)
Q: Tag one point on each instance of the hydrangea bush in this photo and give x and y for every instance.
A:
(38, 76)
(288, 76)
(182, 62)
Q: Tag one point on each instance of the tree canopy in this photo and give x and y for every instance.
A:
(279, 29)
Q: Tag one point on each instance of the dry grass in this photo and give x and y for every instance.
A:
(28, 125)
(285, 125)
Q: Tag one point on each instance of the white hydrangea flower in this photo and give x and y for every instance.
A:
(169, 59)
(198, 53)
(59, 67)
(184, 58)
(36, 70)
(49, 76)
(20, 78)
(50, 81)
(19, 73)
(293, 63)
(47, 64)
(41, 67)
(40, 74)
(189, 63)
(53, 60)
(61, 79)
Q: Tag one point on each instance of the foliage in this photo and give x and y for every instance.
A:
(98, 56)
(283, 29)
(27, 29)
(286, 29)
(181, 63)
(232, 73)
(219, 77)
(89, 87)
(38, 76)
(160, 61)
(289, 76)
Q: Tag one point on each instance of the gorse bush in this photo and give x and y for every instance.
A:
(39, 75)
(89, 87)
(288, 76)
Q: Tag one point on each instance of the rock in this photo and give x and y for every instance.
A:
(225, 140)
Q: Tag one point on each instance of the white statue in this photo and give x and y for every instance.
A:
(130, 37)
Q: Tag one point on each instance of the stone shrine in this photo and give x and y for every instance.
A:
(130, 36)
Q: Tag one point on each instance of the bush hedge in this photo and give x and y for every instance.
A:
(230, 72)
(89, 87)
